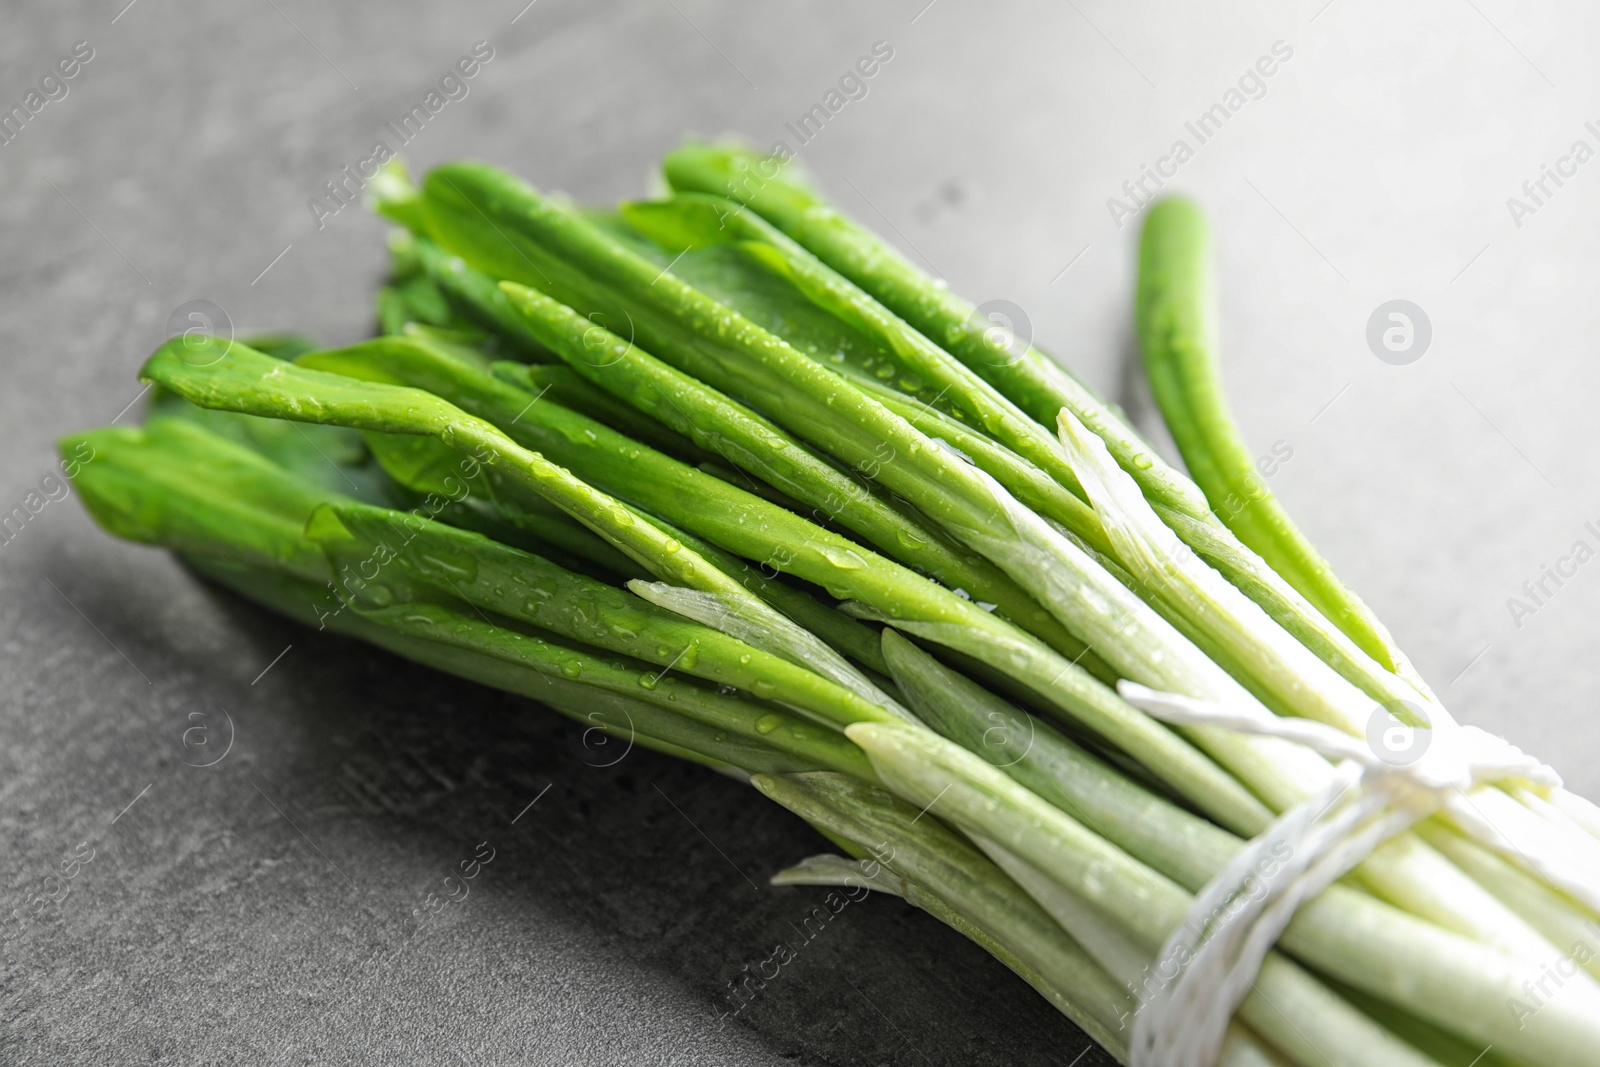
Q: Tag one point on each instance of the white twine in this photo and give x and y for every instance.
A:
(1209, 963)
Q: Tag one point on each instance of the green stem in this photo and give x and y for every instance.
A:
(617, 712)
(1440, 977)
(1177, 329)
(1301, 1015)
(926, 854)
(525, 587)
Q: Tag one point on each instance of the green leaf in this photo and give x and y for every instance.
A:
(526, 587)
(232, 377)
(176, 484)
(1031, 379)
(910, 357)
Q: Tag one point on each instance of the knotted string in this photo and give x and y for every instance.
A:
(1209, 963)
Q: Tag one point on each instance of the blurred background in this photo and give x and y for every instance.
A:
(1349, 153)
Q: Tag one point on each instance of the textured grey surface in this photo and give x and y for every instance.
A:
(255, 911)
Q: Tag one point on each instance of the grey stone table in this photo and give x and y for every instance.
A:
(254, 910)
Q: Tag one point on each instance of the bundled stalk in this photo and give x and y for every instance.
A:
(721, 473)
